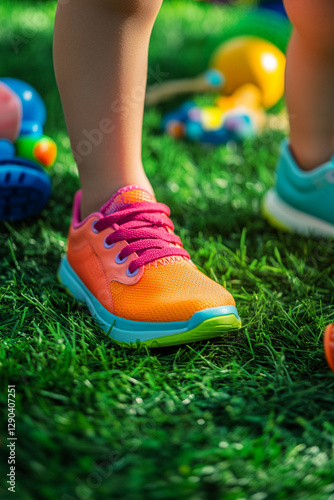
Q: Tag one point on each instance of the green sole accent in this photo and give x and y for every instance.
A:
(211, 328)
(274, 222)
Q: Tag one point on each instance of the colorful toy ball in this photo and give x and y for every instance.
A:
(25, 187)
(11, 113)
(329, 345)
(249, 59)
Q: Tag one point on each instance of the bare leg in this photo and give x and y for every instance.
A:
(310, 81)
(100, 55)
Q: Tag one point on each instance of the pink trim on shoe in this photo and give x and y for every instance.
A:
(76, 217)
(118, 201)
(140, 222)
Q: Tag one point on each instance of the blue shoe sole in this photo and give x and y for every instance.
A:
(24, 189)
(203, 325)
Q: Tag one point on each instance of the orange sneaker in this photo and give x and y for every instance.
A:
(128, 266)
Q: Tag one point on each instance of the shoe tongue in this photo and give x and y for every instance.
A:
(125, 197)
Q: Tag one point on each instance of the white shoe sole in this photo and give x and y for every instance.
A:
(283, 216)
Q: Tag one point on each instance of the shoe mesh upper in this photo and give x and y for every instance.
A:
(171, 292)
(125, 197)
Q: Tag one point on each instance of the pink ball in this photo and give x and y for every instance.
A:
(10, 113)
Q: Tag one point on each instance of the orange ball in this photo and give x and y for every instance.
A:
(45, 152)
(329, 345)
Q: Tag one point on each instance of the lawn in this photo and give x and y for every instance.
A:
(249, 416)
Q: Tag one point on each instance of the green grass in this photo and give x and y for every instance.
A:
(248, 416)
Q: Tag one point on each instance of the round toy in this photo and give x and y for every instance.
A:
(11, 113)
(24, 185)
(33, 107)
(329, 345)
(253, 60)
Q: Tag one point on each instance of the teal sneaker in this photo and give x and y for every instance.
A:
(301, 202)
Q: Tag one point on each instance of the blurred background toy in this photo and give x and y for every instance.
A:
(25, 187)
(239, 61)
(250, 72)
(329, 345)
(249, 59)
(274, 5)
(210, 81)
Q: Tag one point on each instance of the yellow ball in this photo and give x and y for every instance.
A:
(249, 59)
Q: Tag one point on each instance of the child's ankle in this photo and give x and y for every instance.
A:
(93, 198)
(309, 157)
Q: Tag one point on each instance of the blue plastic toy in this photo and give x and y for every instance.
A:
(25, 187)
(210, 125)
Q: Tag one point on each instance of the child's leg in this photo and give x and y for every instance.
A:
(303, 197)
(125, 262)
(310, 81)
(100, 53)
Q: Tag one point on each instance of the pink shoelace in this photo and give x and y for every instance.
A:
(145, 227)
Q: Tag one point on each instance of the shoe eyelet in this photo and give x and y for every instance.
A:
(94, 228)
(118, 260)
(106, 244)
(131, 275)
